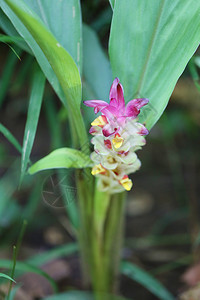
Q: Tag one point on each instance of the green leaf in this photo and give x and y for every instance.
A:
(63, 19)
(42, 60)
(9, 39)
(7, 277)
(25, 268)
(13, 293)
(112, 3)
(8, 28)
(59, 59)
(150, 45)
(10, 137)
(197, 61)
(96, 66)
(7, 74)
(62, 158)
(148, 281)
(8, 185)
(77, 295)
(45, 257)
(50, 55)
(194, 72)
(32, 118)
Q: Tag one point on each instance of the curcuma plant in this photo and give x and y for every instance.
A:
(150, 44)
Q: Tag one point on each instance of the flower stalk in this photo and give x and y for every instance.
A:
(117, 135)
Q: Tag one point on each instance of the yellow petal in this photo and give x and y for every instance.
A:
(100, 121)
(126, 183)
(98, 169)
(117, 141)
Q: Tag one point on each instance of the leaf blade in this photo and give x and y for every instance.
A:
(56, 62)
(10, 137)
(61, 158)
(35, 103)
(148, 281)
(145, 58)
(7, 277)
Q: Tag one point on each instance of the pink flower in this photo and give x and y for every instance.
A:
(117, 135)
(117, 108)
(116, 111)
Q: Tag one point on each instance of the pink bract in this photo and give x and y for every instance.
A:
(117, 109)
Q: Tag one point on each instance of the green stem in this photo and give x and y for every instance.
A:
(107, 244)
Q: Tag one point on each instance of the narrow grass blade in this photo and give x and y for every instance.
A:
(8, 28)
(77, 295)
(45, 257)
(10, 137)
(32, 118)
(9, 39)
(25, 268)
(148, 281)
(13, 269)
(7, 277)
(55, 129)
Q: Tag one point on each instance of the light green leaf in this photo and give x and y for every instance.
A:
(62, 158)
(63, 19)
(42, 60)
(148, 281)
(49, 52)
(150, 44)
(7, 277)
(96, 66)
(10, 137)
(8, 28)
(32, 118)
(60, 60)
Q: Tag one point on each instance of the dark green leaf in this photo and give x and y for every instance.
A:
(148, 281)
(62, 251)
(112, 3)
(10, 64)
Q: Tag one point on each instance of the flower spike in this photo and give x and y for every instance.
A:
(117, 135)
